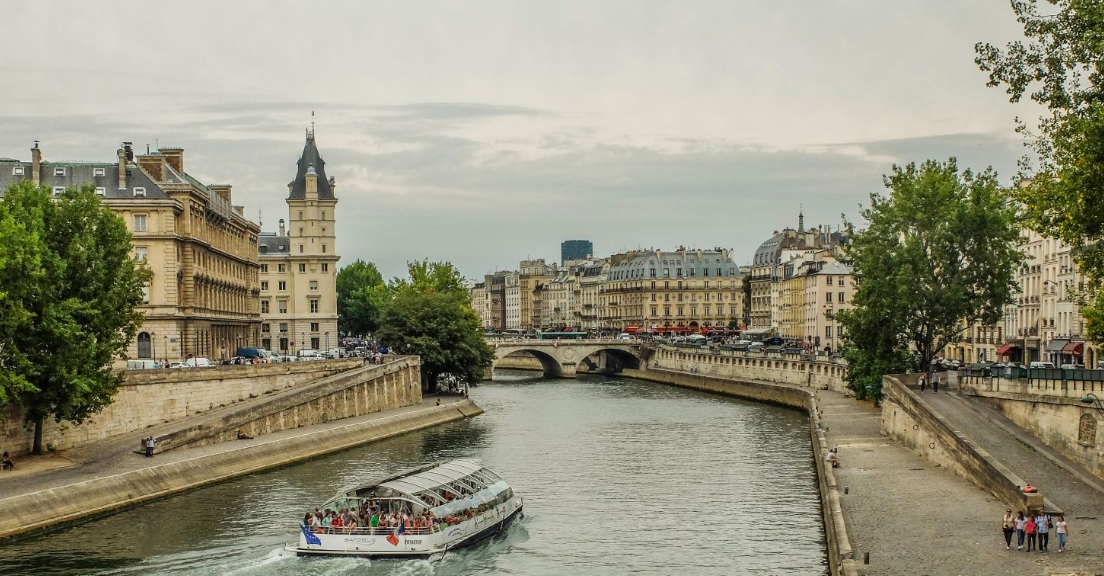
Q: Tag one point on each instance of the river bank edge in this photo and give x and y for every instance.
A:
(35, 512)
(841, 559)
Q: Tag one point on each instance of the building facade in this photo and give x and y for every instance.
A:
(768, 268)
(672, 292)
(202, 299)
(298, 263)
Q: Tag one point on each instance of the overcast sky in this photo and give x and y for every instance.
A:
(487, 132)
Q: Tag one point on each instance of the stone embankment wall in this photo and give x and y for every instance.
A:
(1052, 411)
(785, 369)
(909, 420)
(356, 392)
(841, 559)
(46, 508)
(152, 397)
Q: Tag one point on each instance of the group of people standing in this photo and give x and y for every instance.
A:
(1035, 530)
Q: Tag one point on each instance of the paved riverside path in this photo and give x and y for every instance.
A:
(1082, 503)
(117, 457)
(918, 519)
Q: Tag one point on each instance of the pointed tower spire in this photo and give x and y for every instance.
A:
(801, 220)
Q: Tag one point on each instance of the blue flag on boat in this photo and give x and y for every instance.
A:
(311, 538)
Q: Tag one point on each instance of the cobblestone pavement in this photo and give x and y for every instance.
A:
(125, 460)
(917, 519)
(1083, 504)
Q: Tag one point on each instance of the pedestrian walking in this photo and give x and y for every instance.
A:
(1042, 526)
(935, 382)
(1020, 522)
(150, 443)
(923, 384)
(1008, 526)
(1061, 530)
(1029, 529)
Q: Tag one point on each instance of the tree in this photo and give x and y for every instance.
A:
(938, 255)
(432, 277)
(361, 296)
(1060, 67)
(76, 307)
(430, 315)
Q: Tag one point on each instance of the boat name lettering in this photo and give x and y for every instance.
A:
(368, 541)
(409, 541)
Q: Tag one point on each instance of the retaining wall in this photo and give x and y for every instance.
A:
(46, 508)
(1056, 417)
(909, 420)
(151, 397)
(787, 369)
(348, 394)
(841, 559)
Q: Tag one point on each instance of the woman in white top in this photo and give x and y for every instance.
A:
(1061, 530)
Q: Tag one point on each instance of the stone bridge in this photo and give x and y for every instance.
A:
(561, 358)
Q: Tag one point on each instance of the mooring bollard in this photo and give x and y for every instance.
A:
(846, 489)
(866, 557)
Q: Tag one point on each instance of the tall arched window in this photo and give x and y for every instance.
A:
(144, 345)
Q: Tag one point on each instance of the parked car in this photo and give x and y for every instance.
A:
(198, 363)
(178, 365)
(755, 347)
(1073, 366)
(625, 336)
(1042, 365)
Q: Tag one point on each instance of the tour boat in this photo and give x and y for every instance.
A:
(465, 501)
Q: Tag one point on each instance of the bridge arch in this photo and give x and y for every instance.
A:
(562, 359)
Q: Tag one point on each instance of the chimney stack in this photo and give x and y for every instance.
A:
(36, 164)
(223, 190)
(281, 227)
(122, 164)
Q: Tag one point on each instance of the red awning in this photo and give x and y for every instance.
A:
(631, 330)
(1006, 349)
(1075, 348)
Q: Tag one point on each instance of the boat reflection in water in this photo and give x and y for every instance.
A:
(431, 509)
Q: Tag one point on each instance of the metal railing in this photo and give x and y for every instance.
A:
(377, 531)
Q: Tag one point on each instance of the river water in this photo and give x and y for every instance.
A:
(618, 476)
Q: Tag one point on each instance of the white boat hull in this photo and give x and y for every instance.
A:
(411, 545)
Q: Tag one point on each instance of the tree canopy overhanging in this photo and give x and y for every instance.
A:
(69, 303)
(1059, 67)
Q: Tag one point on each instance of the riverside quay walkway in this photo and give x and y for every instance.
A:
(915, 518)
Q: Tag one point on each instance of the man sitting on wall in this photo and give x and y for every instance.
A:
(833, 459)
(8, 463)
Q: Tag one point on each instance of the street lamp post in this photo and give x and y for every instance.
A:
(1093, 400)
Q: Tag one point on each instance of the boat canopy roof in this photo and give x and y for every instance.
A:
(436, 485)
(443, 474)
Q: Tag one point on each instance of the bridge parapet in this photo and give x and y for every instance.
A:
(562, 358)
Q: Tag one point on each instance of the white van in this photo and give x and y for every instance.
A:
(1041, 365)
(143, 364)
(625, 336)
(198, 363)
(310, 355)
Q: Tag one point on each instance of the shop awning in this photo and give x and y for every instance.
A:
(1057, 344)
(631, 329)
(1007, 349)
(757, 331)
(1075, 348)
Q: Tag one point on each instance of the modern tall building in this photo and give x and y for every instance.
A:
(572, 250)
(202, 300)
(298, 264)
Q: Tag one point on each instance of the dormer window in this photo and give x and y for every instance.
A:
(17, 171)
(100, 191)
(59, 171)
(58, 190)
(97, 171)
(139, 191)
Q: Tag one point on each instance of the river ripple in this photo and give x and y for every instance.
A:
(619, 476)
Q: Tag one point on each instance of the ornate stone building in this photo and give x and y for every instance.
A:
(672, 292)
(298, 264)
(202, 300)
